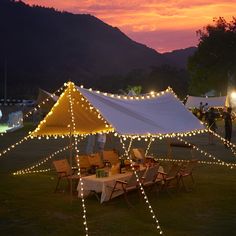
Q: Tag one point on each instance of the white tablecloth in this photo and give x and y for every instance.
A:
(102, 185)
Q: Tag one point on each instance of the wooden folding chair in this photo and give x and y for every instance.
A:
(187, 170)
(138, 154)
(126, 186)
(150, 175)
(83, 163)
(150, 180)
(171, 178)
(64, 171)
(110, 156)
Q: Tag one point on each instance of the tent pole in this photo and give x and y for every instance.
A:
(71, 162)
(148, 147)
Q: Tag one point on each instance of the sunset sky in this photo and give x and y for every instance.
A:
(164, 25)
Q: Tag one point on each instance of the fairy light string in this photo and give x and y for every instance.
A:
(206, 154)
(77, 158)
(149, 145)
(140, 185)
(32, 171)
(226, 142)
(2, 153)
(41, 162)
(184, 161)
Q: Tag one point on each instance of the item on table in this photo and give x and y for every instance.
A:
(100, 173)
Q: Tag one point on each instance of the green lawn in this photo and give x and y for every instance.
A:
(28, 205)
(3, 128)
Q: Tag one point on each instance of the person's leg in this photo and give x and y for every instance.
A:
(230, 135)
(210, 139)
(227, 135)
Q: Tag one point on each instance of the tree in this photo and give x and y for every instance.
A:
(136, 89)
(214, 62)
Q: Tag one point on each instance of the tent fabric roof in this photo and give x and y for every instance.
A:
(96, 112)
(59, 120)
(163, 114)
(212, 101)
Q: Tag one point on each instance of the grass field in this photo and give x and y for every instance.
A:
(3, 128)
(28, 205)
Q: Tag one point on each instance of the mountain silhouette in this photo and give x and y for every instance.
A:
(180, 57)
(42, 47)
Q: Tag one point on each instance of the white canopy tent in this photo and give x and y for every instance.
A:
(151, 114)
(217, 102)
(142, 115)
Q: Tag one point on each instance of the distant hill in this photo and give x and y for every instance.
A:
(180, 57)
(44, 48)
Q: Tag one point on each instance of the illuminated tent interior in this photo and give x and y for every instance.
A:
(59, 120)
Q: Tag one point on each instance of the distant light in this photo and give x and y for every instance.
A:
(233, 95)
(152, 92)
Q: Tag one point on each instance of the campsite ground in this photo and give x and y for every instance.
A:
(28, 205)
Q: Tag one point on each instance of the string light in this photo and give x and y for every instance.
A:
(140, 185)
(2, 133)
(199, 161)
(77, 157)
(134, 97)
(13, 146)
(149, 145)
(30, 169)
(206, 154)
(225, 141)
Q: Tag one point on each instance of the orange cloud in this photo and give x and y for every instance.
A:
(139, 17)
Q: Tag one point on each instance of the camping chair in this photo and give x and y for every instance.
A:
(127, 186)
(187, 170)
(138, 154)
(83, 163)
(64, 171)
(95, 160)
(150, 175)
(171, 178)
(110, 156)
(149, 179)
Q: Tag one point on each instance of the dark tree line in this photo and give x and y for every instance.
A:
(213, 65)
(157, 79)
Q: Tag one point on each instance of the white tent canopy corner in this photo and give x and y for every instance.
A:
(217, 102)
